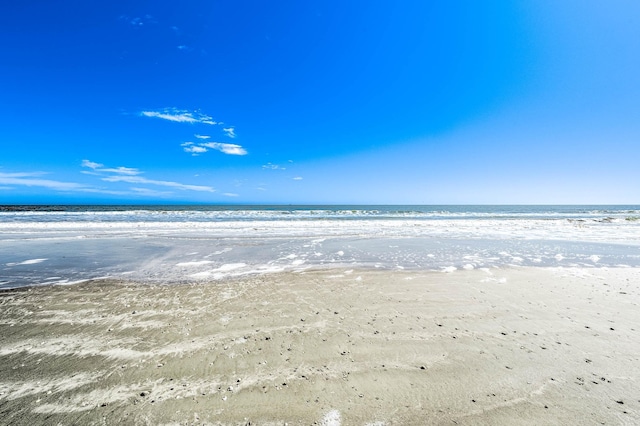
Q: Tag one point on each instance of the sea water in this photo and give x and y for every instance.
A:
(41, 245)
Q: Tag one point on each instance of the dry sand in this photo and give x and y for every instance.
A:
(506, 346)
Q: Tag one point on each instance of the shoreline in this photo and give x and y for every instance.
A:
(521, 345)
(178, 253)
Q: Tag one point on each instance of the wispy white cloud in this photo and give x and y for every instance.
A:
(91, 164)
(193, 149)
(297, 178)
(11, 180)
(270, 166)
(130, 175)
(22, 174)
(124, 171)
(230, 131)
(169, 184)
(30, 179)
(230, 194)
(180, 116)
(226, 148)
(151, 192)
(202, 136)
(118, 170)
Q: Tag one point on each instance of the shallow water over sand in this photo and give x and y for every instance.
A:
(46, 250)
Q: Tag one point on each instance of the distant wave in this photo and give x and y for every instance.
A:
(162, 213)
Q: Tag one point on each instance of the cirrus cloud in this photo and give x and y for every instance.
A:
(270, 166)
(225, 148)
(180, 116)
(130, 175)
(230, 132)
(97, 167)
(141, 180)
(33, 179)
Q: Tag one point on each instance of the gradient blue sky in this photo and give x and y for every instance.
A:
(401, 102)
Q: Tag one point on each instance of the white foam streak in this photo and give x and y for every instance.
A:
(26, 262)
(194, 263)
(525, 229)
(220, 272)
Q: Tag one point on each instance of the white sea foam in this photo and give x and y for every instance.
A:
(70, 282)
(185, 245)
(523, 229)
(26, 262)
(225, 250)
(230, 267)
(220, 272)
(195, 263)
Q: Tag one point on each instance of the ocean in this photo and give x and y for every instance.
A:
(57, 245)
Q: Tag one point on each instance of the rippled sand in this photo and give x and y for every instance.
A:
(499, 346)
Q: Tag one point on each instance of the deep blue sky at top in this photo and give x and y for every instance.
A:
(320, 101)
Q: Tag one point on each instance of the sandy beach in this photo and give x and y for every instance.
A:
(333, 346)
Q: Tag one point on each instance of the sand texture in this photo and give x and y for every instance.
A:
(501, 346)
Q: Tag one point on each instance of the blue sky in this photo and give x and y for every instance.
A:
(444, 102)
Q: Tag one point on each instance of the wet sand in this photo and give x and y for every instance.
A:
(500, 346)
